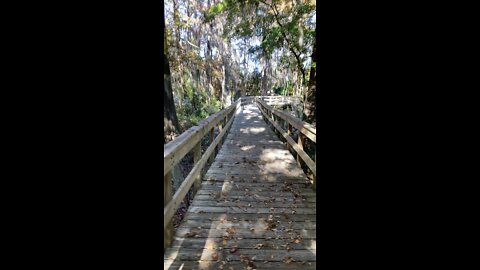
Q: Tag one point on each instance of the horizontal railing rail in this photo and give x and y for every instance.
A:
(279, 100)
(188, 141)
(247, 100)
(305, 130)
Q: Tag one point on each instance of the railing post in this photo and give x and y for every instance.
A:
(289, 134)
(300, 144)
(274, 118)
(314, 176)
(167, 197)
(212, 137)
(220, 128)
(197, 155)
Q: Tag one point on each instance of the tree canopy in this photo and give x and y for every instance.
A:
(219, 50)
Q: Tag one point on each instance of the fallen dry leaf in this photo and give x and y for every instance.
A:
(244, 258)
(191, 234)
(231, 230)
(288, 259)
(233, 249)
(252, 265)
(215, 256)
(259, 246)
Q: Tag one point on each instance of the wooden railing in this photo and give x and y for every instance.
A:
(174, 151)
(305, 130)
(248, 100)
(279, 100)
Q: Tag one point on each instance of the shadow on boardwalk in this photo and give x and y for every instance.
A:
(255, 209)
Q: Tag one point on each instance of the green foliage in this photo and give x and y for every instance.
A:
(253, 83)
(215, 10)
(243, 20)
(278, 90)
(285, 90)
(197, 105)
(288, 89)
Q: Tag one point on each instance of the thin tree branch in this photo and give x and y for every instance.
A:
(297, 57)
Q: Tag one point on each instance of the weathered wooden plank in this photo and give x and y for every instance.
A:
(277, 210)
(254, 178)
(230, 187)
(251, 216)
(245, 233)
(246, 243)
(236, 265)
(257, 233)
(224, 224)
(252, 161)
(260, 141)
(225, 255)
(242, 187)
(254, 146)
(254, 186)
(252, 170)
(269, 178)
(267, 201)
(267, 158)
(307, 193)
(201, 197)
(251, 184)
(263, 203)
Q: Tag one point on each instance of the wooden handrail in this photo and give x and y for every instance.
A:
(304, 127)
(305, 131)
(247, 100)
(175, 150)
(279, 99)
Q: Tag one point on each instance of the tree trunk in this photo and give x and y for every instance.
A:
(171, 125)
(309, 106)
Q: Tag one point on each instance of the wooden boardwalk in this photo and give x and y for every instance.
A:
(255, 208)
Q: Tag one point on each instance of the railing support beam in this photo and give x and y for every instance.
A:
(167, 197)
(197, 155)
